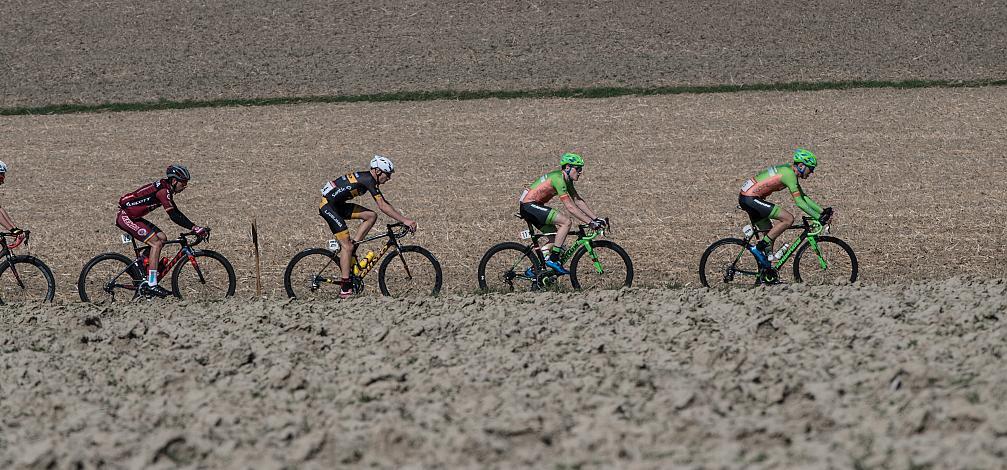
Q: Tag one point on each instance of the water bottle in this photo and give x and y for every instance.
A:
(783, 249)
(368, 258)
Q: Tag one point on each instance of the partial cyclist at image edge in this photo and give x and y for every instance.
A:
(5, 219)
(335, 208)
(560, 183)
(762, 213)
(144, 200)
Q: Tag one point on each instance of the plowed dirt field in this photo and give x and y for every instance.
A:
(900, 371)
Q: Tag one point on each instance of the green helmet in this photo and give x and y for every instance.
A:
(571, 159)
(805, 157)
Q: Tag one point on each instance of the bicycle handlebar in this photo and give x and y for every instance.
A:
(26, 235)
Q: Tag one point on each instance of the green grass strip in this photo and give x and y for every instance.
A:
(593, 92)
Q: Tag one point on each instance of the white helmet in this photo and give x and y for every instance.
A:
(383, 164)
(3, 168)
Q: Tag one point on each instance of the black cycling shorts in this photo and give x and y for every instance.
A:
(542, 217)
(336, 213)
(758, 209)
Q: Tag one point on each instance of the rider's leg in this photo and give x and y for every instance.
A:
(563, 225)
(337, 225)
(368, 218)
(784, 220)
(155, 242)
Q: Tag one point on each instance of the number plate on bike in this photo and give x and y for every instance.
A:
(334, 246)
(126, 238)
(525, 234)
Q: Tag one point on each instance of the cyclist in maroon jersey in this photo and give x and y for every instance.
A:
(5, 219)
(135, 205)
(335, 208)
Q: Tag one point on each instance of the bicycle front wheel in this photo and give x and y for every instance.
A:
(313, 274)
(26, 279)
(607, 266)
(109, 278)
(833, 263)
(728, 262)
(206, 276)
(508, 267)
(412, 270)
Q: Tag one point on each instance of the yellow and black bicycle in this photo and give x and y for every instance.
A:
(404, 270)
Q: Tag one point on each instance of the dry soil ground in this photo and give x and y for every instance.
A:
(903, 376)
(913, 175)
(892, 373)
(87, 51)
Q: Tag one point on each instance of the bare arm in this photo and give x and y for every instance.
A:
(390, 211)
(5, 219)
(582, 204)
(575, 209)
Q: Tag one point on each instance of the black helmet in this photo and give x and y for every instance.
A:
(178, 172)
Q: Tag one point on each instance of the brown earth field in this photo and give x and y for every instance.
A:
(912, 175)
(77, 51)
(899, 376)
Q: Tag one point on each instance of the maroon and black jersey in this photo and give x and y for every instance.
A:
(149, 197)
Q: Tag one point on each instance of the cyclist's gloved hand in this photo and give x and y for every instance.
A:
(17, 232)
(201, 232)
(597, 224)
(826, 215)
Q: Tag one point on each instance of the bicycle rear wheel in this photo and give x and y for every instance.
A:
(609, 268)
(313, 274)
(728, 262)
(833, 264)
(109, 278)
(26, 279)
(508, 267)
(410, 271)
(209, 276)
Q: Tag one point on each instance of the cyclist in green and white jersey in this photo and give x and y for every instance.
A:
(773, 179)
(557, 183)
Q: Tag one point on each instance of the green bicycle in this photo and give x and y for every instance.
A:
(818, 259)
(594, 263)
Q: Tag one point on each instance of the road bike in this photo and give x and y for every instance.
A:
(407, 270)
(23, 278)
(594, 263)
(819, 259)
(195, 274)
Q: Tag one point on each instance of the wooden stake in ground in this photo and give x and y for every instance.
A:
(258, 266)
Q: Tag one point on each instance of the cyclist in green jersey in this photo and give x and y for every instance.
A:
(548, 220)
(773, 179)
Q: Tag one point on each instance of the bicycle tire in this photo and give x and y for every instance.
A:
(514, 266)
(295, 284)
(579, 278)
(17, 287)
(206, 282)
(850, 261)
(728, 268)
(99, 287)
(417, 270)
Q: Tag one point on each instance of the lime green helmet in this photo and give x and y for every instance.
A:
(806, 157)
(571, 159)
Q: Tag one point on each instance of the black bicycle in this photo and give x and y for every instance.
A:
(23, 278)
(594, 263)
(408, 270)
(818, 259)
(195, 274)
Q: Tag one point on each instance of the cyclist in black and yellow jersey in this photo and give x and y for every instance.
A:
(335, 208)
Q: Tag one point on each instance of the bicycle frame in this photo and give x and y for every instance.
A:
(583, 240)
(8, 253)
(393, 242)
(185, 251)
(811, 229)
